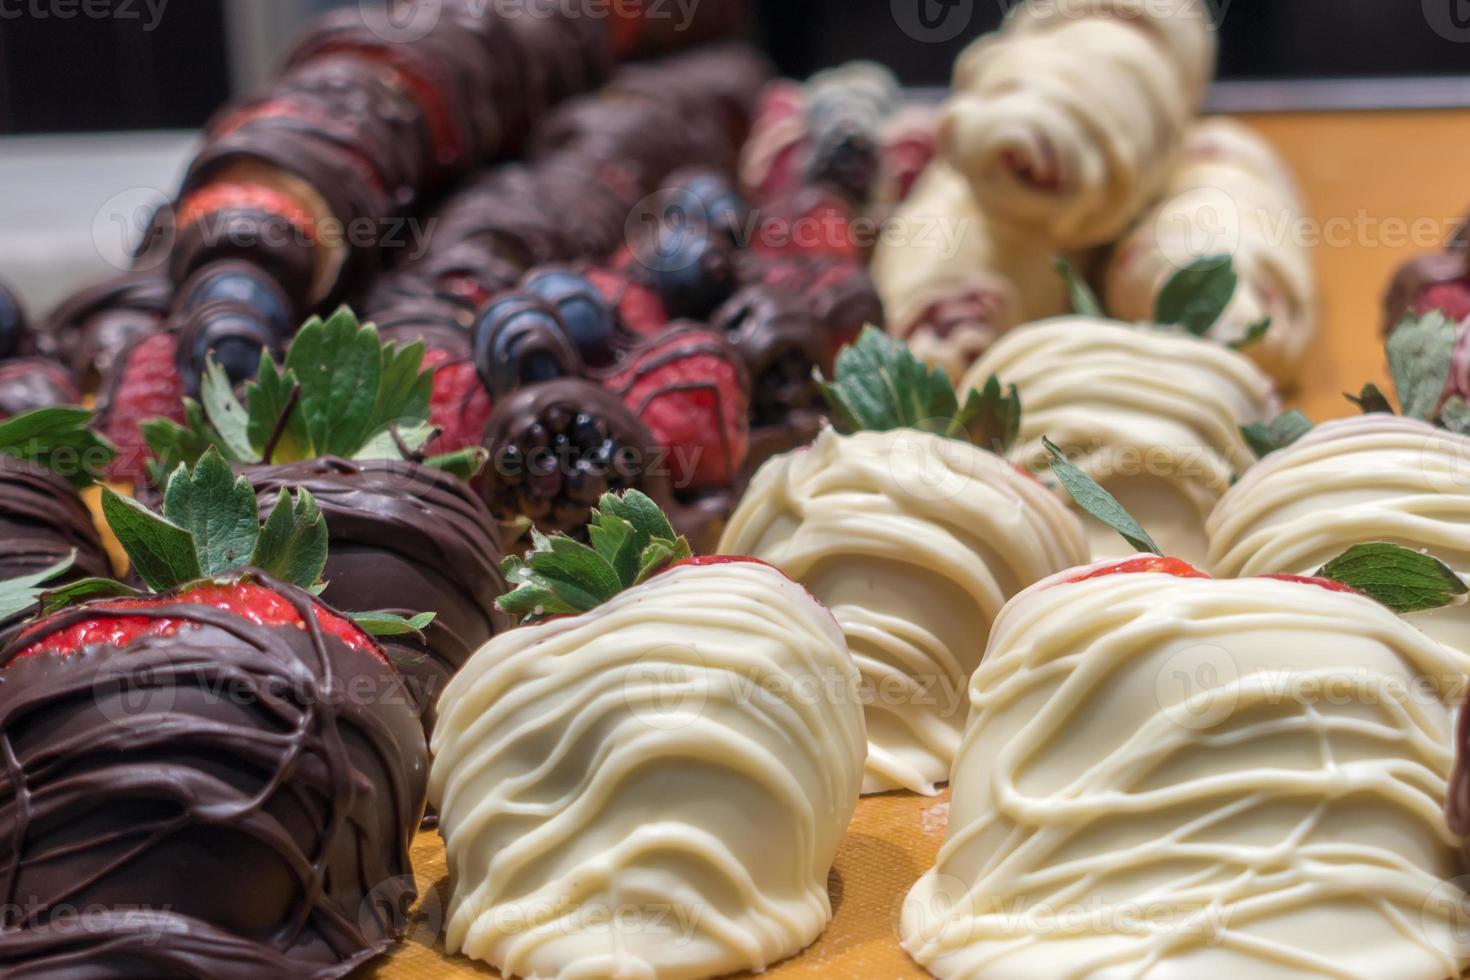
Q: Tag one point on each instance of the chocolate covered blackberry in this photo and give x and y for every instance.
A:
(555, 448)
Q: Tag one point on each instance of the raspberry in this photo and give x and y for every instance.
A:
(145, 385)
(640, 311)
(460, 406)
(1451, 298)
(691, 390)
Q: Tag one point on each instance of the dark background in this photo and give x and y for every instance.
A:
(77, 75)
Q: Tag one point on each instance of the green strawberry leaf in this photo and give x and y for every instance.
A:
(1402, 579)
(1455, 416)
(992, 417)
(1196, 296)
(162, 553)
(23, 594)
(276, 429)
(1421, 353)
(882, 386)
(225, 413)
(66, 596)
(174, 445)
(381, 624)
(1097, 501)
(58, 439)
(465, 464)
(1254, 334)
(397, 443)
(293, 543)
(1371, 401)
(1265, 438)
(1084, 300)
(217, 509)
(616, 540)
(631, 539)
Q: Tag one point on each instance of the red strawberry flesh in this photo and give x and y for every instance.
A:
(110, 624)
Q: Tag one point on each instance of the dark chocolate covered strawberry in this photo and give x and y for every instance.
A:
(90, 330)
(226, 727)
(143, 386)
(690, 388)
(46, 456)
(347, 416)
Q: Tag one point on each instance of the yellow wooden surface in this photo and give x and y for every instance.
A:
(1380, 188)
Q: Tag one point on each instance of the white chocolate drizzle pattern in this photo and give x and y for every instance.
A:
(1152, 415)
(915, 542)
(1167, 778)
(654, 789)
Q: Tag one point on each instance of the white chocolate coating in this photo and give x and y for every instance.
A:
(1347, 482)
(1069, 119)
(654, 789)
(940, 252)
(1184, 779)
(1232, 193)
(914, 542)
(1153, 416)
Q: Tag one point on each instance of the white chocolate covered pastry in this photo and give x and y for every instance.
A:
(1171, 778)
(654, 789)
(1154, 416)
(1231, 194)
(1353, 481)
(1068, 120)
(914, 542)
(952, 281)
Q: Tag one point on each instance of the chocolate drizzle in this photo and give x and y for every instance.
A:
(405, 538)
(42, 520)
(91, 329)
(231, 800)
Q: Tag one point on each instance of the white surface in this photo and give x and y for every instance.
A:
(73, 206)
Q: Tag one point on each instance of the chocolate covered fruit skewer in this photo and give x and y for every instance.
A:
(46, 457)
(346, 416)
(225, 727)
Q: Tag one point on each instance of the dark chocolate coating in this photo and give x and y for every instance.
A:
(1418, 275)
(405, 538)
(518, 419)
(230, 801)
(15, 334)
(28, 383)
(42, 520)
(90, 329)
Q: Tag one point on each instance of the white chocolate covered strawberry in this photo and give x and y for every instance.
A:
(653, 782)
(914, 536)
(1168, 776)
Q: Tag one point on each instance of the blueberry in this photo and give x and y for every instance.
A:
(233, 335)
(584, 312)
(243, 285)
(711, 193)
(520, 340)
(689, 266)
(12, 323)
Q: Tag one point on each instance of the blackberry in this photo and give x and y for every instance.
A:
(556, 448)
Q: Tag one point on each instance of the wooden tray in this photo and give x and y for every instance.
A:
(1368, 178)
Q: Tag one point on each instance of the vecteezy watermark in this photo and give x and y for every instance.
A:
(148, 922)
(1444, 918)
(149, 13)
(136, 230)
(1450, 19)
(944, 902)
(933, 21)
(406, 21)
